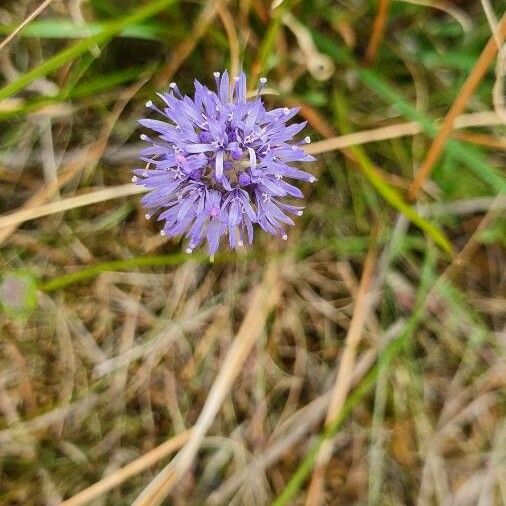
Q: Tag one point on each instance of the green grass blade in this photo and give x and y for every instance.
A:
(387, 191)
(394, 198)
(466, 155)
(89, 88)
(67, 29)
(67, 55)
(93, 271)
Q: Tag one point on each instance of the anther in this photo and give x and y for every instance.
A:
(149, 103)
(307, 139)
(162, 233)
(285, 237)
(188, 251)
(144, 137)
(134, 179)
(147, 216)
(300, 213)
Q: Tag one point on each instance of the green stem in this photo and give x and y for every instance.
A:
(117, 265)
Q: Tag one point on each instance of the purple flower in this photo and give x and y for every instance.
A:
(219, 163)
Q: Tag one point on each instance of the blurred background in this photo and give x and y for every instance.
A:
(368, 364)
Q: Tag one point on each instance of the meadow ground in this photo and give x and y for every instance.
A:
(359, 362)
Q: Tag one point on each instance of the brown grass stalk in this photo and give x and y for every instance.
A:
(480, 68)
(378, 31)
(133, 468)
(26, 213)
(31, 17)
(487, 141)
(344, 376)
(264, 298)
(233, 39)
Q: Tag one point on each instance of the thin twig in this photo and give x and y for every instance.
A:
(32, 16)
(113, 192)
(344, 376)
(133, 468)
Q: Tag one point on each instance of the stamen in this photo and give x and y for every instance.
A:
(312, 179)
(147, 216)
(300, 213)
(188, 251)
(307, 139)
(144, 137)
(262, 80)
(134, 179)
(162, 233)
(149, 103)
(217, 79)
(285, 237)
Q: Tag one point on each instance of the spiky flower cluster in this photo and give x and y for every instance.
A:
(220, 164)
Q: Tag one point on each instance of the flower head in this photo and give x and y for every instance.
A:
(219, 163)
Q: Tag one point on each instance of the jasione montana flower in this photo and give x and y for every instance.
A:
(219, 163)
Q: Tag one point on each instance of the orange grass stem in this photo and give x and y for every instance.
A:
(378, 30)
(487, 56)
(343, 380)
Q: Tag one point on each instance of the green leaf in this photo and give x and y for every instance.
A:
(67, 29)
(387, 191)
(71, 53)
(394, 198)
